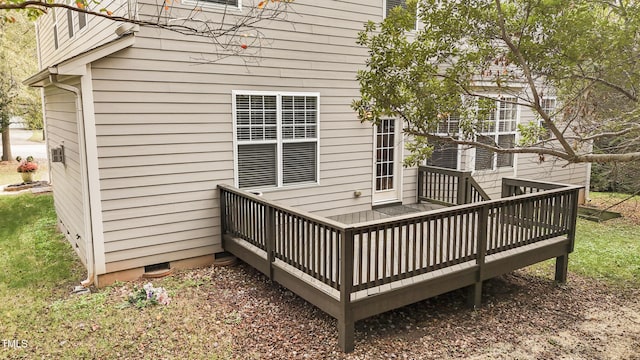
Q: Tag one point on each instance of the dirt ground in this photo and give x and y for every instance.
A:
(523, 316)
(630, 209)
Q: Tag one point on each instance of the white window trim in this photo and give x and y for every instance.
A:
(496, 133)
(210, 5)
(279, 140)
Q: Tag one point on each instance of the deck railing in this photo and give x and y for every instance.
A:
(305, 241)
(359, 257)
(448, 187)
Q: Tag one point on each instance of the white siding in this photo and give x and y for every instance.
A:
(62, 129)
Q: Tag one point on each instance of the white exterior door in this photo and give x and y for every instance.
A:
(387, 155)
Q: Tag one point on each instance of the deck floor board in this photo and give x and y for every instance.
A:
(384, 212)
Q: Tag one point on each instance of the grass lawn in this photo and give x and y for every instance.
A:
(39, 269)
(607, 251)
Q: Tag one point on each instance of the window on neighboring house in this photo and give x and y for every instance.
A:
(445, 154)
(277, 139)
(70, 22)
(390, 4)
(500, 128)
(55, 29)
(548, 105)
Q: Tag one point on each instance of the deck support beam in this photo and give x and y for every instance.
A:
(562, 265)
(346, 323)
(346, 334)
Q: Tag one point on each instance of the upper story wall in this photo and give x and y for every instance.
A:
(62, 34)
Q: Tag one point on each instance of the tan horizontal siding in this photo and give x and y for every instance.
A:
(97, 32)
(552, 169)
(165, 136)
(216, 170)
(62, 128)
(163, 209)
(141, 242)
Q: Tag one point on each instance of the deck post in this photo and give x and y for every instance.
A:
(223, 213)
(573, 218)
(462, 189)
(346, 324)
(270, 224)
(420, 183)
(562, 265)
(506, 189)
(474, 295)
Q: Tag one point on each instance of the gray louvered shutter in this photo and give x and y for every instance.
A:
(299, 162)
(257, 165)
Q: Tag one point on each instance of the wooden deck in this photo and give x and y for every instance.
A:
(384, 212)
(361, 265)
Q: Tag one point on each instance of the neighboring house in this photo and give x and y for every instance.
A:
(142, 133)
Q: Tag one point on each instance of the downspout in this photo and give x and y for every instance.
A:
(53, 78)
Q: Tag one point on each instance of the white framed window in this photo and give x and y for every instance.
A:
(500, 128)
(276, 138)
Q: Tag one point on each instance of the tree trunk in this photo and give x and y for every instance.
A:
(6, 145)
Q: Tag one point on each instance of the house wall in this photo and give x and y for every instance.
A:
(62, 129)
(164, 129)
(165, 136)
(97, 32)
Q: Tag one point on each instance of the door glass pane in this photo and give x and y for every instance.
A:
(385, 155)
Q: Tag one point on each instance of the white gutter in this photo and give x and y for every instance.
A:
(83, 158)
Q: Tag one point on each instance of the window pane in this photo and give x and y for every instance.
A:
(70, 22)
(299, 117)
(506, 141)
(508, 115)
(242, 102)
(299, 162)
(82, 20)
(257, 165)
(259, 114)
